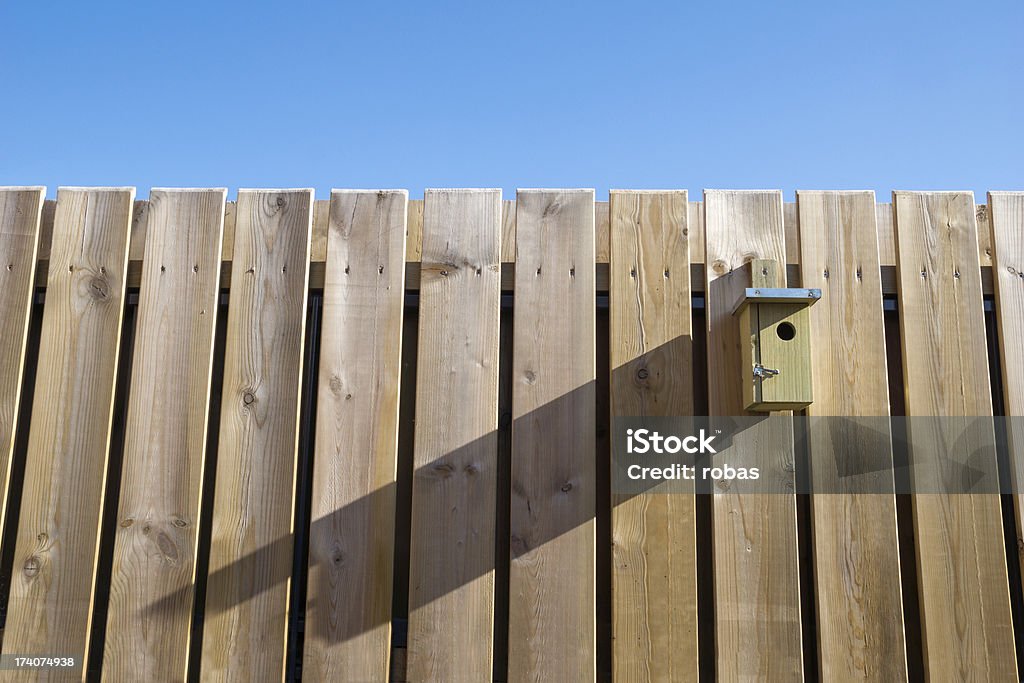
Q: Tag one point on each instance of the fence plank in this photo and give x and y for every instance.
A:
(50, 608)
(351, 544)
(1007, 220)
(551, 579)
(20, 213)
(757, 597)
(451, 573)
(165, 440)
(962, 573)
(250, 551)
(856, 551)
(654, 553)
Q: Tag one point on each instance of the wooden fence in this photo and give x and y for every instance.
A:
(368, 437)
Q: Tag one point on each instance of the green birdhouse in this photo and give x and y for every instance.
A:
(775, 342)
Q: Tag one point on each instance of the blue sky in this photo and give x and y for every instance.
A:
(826, 95)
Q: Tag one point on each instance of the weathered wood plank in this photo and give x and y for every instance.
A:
(451, 573)
(654, 544)
(856, 551)
(250, 551)
(1007, 219)
(351, 539)
(50, 608)
(757, 597)
(20, 212)
(962, 574)
(552, 595)
(156, 537)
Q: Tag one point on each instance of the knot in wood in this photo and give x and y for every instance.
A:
(99, 288)
(642, 374)
(566, 487)
(32, 566)
(248, 398)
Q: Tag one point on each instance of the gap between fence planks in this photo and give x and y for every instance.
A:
(856, 552)
(452, 553)
(251, 548)
(20, 212)
(962, 574)
(1007, 215)
(51, 599)
(351, 549)
(757, 596)
(601, 222)
(654, 568)
(552, 572)
(156, 536)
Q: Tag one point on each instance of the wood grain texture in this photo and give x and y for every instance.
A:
(156, 537)
(757, 596)
(962, 574)
(414, 248)
(250, 550)
(20, 212)
(50, 608)
(551, 578)
(451, 573)
(1007, 219)
(856, 550)
(654, 551)
(351, 540)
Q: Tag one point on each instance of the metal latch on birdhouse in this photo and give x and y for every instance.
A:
(774, 325)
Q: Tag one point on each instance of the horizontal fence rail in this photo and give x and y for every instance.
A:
(368, 438)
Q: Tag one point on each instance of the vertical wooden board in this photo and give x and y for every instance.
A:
(155, 541)
(791, 222)
(856, 551)
(50, 607)
(602, 231)
(1007, 220)
(351, 539)
(757, 595)
(318, 241)
(695, 228)
(654, 553)
(886, 238)
(251, 544)
(962, 573)
(414, 232)
(20, 212)
(985, 238)
(551, 577)
(451, 572)
(508, 231)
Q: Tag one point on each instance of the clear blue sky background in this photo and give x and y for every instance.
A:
(816, 95)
